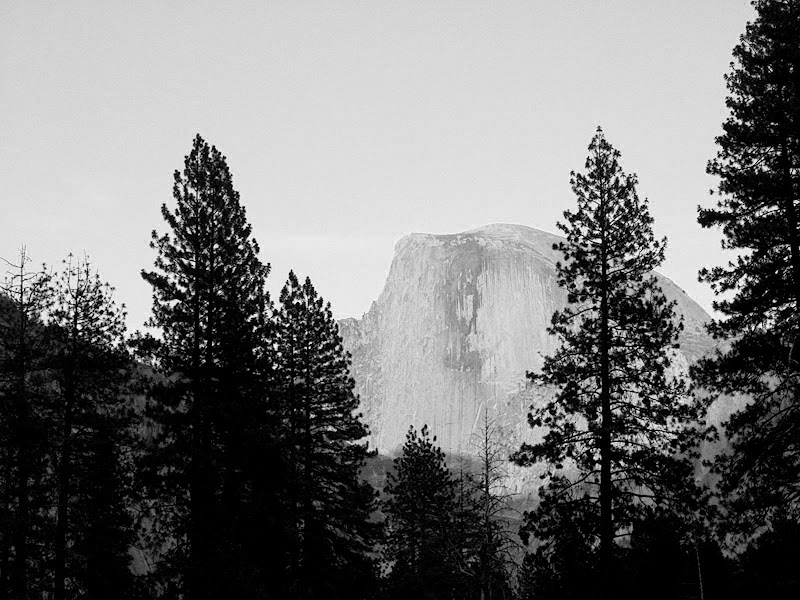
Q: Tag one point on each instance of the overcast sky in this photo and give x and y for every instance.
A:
(348, 124)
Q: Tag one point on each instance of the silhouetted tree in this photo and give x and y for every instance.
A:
(92, 434)
(565, 567)
(25, 401)
(420, 508)
(618, 419)
(493, 547)
(331, 537)
(758, 164)
(209, 304)
(7, 452)
(768, 567)
(661, 561)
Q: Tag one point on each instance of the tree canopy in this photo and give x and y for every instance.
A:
(614, 429)
(758, 164)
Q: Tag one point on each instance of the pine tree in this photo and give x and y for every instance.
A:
(565, 566)
(330, 534)
(757, 211)
(25, 400)
(617, 419)
(92, 432)
(420, 509)
(210, 306)
(7, 451)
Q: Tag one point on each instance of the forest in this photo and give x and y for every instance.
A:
(223, 454)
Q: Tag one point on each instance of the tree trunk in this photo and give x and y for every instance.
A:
(308, 506)
(791, 222)
(606, 520)
(60, 567)
(5, 551)
(20, 579)
(199, 518)
(23, 439)
(699, 571)
(62, 516)
(791, 192)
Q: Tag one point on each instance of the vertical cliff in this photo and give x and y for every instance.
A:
(460, 320)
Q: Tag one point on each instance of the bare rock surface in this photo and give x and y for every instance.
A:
(460, 320)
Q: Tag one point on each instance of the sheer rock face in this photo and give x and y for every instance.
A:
(460, 320)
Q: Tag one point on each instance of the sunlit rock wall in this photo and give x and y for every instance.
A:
(460, 320)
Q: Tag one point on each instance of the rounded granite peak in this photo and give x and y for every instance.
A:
(492, 234)
(461, 319)
(507, 229)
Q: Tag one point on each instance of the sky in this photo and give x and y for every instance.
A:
(348, 124)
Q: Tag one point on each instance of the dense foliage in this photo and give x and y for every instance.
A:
(447, 532)
(94, 437)
(616, 440)
(24, 428)
(209, 306)
(67, 439)
(329, 535)
(420, 509)
(758, 166)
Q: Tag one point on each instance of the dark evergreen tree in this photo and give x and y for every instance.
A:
(661, 562)
(768, 568)
(420, 508)
(24, 422)
(92, 435)
(7, 451)
(210, 305)
(563, 568)
(330, 536)
(758, 164)
(618, 419)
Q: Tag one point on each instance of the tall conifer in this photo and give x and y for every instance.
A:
(618, 417)
(758, 163)
(209, 304)
(93, 437)
(328, 524)
(421, 506)
(25, 406)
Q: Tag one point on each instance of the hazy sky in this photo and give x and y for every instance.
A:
(348, 124)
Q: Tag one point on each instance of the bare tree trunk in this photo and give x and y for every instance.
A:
(5, 551)
(23, 438)
(60, 567)
(199, 496)
(606, 520)
(699, 571)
